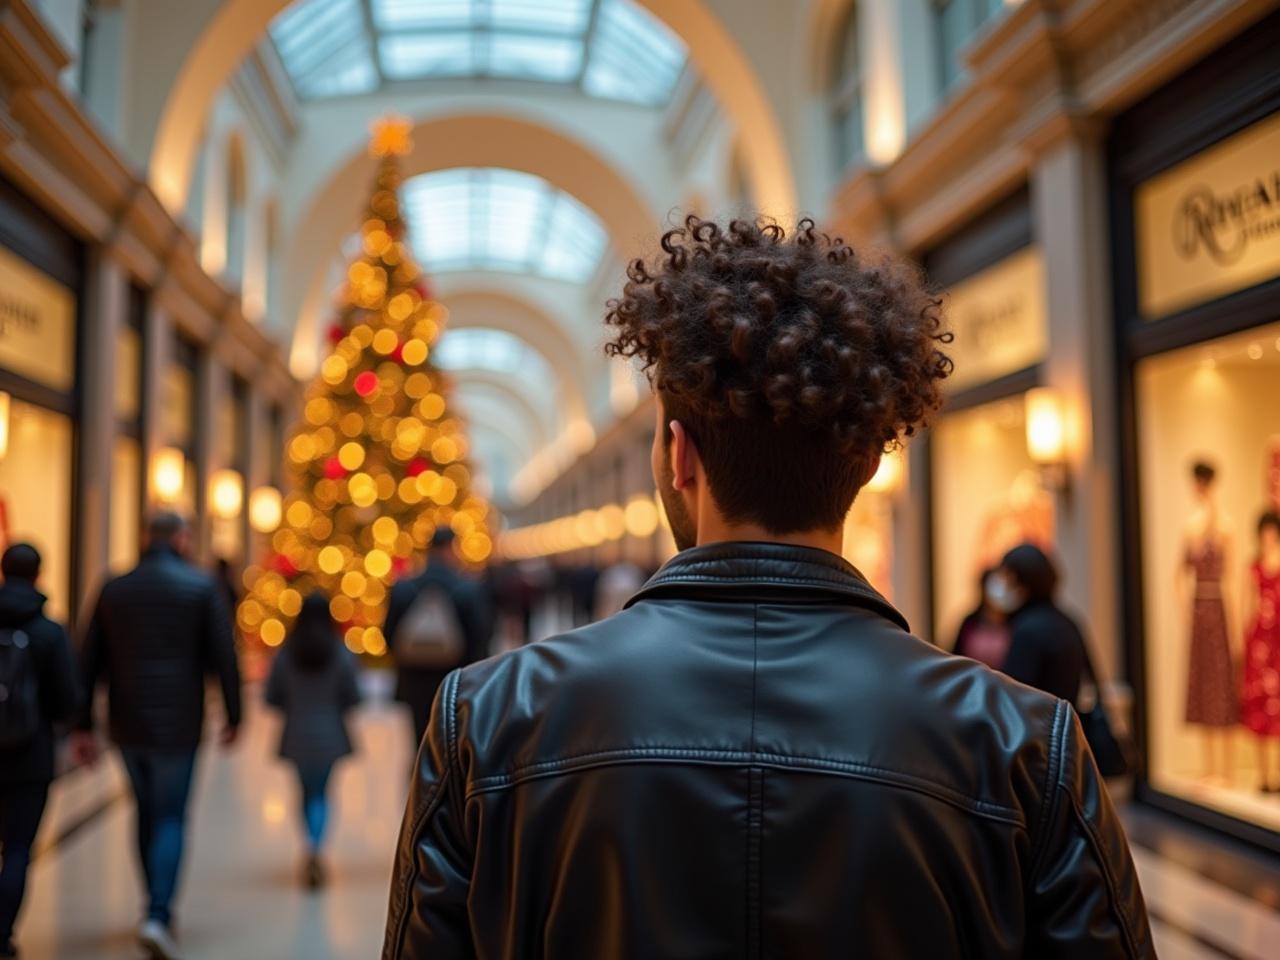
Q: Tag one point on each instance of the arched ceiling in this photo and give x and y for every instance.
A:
(445, 143)
(233, 27)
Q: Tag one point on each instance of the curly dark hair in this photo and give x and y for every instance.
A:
(792, 361)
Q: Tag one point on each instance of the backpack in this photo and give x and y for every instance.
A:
(19, 689)
(430, 634)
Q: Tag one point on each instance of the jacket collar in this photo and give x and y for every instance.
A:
(765, 571)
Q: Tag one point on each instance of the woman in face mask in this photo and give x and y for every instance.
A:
(1046, 646)
(984, 634)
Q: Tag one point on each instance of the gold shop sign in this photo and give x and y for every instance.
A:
(1210, 225)
(999, 320)
(37, 324)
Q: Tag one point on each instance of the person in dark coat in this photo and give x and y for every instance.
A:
(313, 682)
(416, 686)
(26, 757)
(155, 634)
(1046, 646)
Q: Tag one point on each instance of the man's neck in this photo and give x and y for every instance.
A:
(712, 530)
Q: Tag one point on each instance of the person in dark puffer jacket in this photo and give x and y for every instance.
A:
(156, 633)
(26, 766)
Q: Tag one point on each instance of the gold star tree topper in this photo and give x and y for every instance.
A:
(390, 136)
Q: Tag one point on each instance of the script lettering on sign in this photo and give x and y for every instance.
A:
(37, 324)
(1211, 225)
(999, 320)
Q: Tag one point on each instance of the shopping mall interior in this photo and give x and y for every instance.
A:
(201, 203)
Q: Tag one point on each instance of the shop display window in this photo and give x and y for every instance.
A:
(868, 539)
(1209, 472)
(35, 495)
(126, 499)
(987, 499)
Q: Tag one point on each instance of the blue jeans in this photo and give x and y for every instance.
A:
(314, 780)
(161, 782)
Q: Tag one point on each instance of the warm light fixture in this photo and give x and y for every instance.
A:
(226, 494)
(4, 424)
(1046, 426)
(168, 474)
(1046, 422)
(888, 476)
(265, 509)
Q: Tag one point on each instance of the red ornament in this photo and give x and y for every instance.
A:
(398, 353)
(336, 333)
(333, 469)
(424, 289)
(399, 567)
(283, 565)
(366, 383)
(416, 466)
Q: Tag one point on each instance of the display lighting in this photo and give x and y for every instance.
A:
(226, 494)
(889, 474)
(168, 474)
(1046, 426)
(4, 424)
(266, 509)
(1046, 422)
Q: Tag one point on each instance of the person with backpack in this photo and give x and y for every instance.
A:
(313, 682)
(37, 690)
(436, 622)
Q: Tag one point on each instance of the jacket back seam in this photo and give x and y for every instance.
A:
(435, 794)
(694, 755)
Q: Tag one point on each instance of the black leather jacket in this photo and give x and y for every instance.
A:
(756, 759)
(155, 634)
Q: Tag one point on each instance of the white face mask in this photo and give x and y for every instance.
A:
(1002, 595)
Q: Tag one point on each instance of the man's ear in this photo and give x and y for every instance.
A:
(684, 456)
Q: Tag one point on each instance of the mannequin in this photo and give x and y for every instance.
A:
(1211, 691)
(1022, 515)
(1260, 697)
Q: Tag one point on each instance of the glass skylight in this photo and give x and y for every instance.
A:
(479, 348)
(491, 219)
(608, 48)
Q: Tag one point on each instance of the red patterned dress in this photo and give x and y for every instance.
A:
(1260, 699)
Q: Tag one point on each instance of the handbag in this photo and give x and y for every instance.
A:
(1113, 755)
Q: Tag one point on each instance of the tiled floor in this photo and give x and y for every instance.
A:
(241, 899)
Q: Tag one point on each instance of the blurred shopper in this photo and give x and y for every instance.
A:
(984, 633)
(1046, 646)
(37, 690)
(313, 682)
(756, 758)
(435, 623)
(617, 584)
(155, 633)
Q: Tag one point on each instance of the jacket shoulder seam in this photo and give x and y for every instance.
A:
(563, 765)
(1113, 887)
(1052, 777)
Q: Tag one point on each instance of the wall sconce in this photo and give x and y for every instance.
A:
(4, 424)
(168, 474)
(226, 494)
(265, 509)
(1047, 435)
(890, 474)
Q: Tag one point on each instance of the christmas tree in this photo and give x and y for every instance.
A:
(378, 463)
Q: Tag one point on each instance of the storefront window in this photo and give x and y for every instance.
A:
(987, 498)
(126, 499)
(35, 495)
(868, 539)
(1209, 466)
